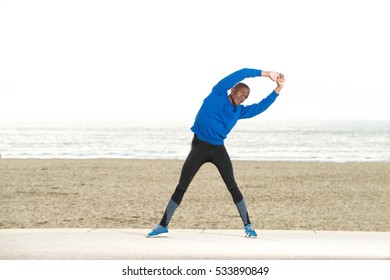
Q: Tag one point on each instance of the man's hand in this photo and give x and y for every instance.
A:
(280, 82)
(270, 74)
(273, 76)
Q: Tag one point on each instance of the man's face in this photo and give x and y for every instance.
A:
(240, 95)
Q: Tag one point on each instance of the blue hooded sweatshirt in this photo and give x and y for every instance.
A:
(218, 115)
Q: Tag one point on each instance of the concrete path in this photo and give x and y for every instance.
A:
(131, 244)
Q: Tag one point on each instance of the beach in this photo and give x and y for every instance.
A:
(127, 193)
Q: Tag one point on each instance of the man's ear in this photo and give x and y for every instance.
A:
(233, 90)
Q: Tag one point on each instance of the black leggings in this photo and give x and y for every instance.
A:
(202, 152)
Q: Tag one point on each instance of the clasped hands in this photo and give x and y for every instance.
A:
(277, 77)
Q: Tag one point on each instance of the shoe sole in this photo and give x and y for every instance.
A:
(247, 236)
(166, 234)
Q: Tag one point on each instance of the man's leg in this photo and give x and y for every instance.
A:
(222, 161)
(191, 166)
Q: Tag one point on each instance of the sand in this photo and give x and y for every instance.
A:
(124, 193)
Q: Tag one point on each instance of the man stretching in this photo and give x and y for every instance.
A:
(217, 116)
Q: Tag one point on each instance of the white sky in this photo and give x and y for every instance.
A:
(152, 59)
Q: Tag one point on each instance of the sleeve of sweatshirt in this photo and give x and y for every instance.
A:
(228, 82)
(258, 108)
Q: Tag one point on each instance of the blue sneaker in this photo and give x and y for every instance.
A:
(159, 231)
(249, 231)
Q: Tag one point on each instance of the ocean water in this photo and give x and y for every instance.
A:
(263, 140)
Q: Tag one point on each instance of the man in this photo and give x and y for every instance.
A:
(218, 114)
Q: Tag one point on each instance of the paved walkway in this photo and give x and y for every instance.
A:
(131, 244)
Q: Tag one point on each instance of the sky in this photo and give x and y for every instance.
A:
(152, 59)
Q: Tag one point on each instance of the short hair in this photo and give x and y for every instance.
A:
(242, 85)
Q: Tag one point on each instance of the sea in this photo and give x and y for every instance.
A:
(255, 140)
